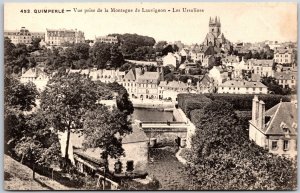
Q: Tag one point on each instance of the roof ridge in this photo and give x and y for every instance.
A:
(273, 118)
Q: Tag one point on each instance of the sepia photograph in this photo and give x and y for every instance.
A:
(150, 96)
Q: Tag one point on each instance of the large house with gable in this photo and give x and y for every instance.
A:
(276, 128)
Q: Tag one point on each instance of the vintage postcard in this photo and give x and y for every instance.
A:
(150, 96)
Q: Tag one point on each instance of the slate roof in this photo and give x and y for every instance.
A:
(265, 63)
(285, 75)
(137, 135)
(30, 73)
(33, 73)
(149, 76)
(205, 80)
(282, 51)
(130, 75)
(242, 84)
(284, 113)
(230, 58)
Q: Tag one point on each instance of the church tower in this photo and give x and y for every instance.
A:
(215, 26)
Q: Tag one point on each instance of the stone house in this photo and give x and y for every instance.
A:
(276, 128)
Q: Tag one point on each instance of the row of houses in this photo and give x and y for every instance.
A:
(54, 37)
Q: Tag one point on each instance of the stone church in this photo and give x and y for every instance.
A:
(214, 37)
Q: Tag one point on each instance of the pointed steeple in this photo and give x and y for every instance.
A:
(216, 20)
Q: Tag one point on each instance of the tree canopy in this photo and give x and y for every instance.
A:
(223, 158)
(103, 129)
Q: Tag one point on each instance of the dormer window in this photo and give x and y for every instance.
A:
(286, 130)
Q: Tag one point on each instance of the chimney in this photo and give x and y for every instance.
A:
(254, 110)
(23, 70)
(261, 115)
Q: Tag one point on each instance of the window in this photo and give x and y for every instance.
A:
(285, 145)
(274, 145)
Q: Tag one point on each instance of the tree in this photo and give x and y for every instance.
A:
(101, 53)
(223, 158)
(116, 57)
(144, 53)
(65, 100)
(160, 46)
(19, 96)
(123, 102)
(35, 43)
(130, 42)
(274, 87)
(103, 129)
(167, 49)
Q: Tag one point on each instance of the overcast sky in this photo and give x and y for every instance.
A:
(248, 22)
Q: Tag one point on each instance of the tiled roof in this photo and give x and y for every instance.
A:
(137, 135)
(242, 84)
(283, 115)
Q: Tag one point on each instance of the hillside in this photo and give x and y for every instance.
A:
(19, 177)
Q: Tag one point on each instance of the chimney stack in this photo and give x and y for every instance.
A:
(261, 115)
(254, 110)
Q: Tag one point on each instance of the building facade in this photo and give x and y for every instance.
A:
(286, 79)
(23, 36)
(276, 128)
(242, 87)
(107, 39)
(261, 67)
(283, 56)
(58, 37)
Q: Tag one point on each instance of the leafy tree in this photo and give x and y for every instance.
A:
(225, 159)
(144, 53)
(116, 57)
(103, 129)
(123, 102)
(65, 100)
(248, 55)
(35, 43)
(160, 46)
(19, 96)
(101, 53)
(167, 49)
(274, 87)
(130, 42)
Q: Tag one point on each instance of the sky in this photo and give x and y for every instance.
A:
(246, 22)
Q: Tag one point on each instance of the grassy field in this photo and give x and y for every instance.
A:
(19, 177)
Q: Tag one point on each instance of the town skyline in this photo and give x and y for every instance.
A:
(187, 29)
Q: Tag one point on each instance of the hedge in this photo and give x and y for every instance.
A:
(243, 102)
(189, 102)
